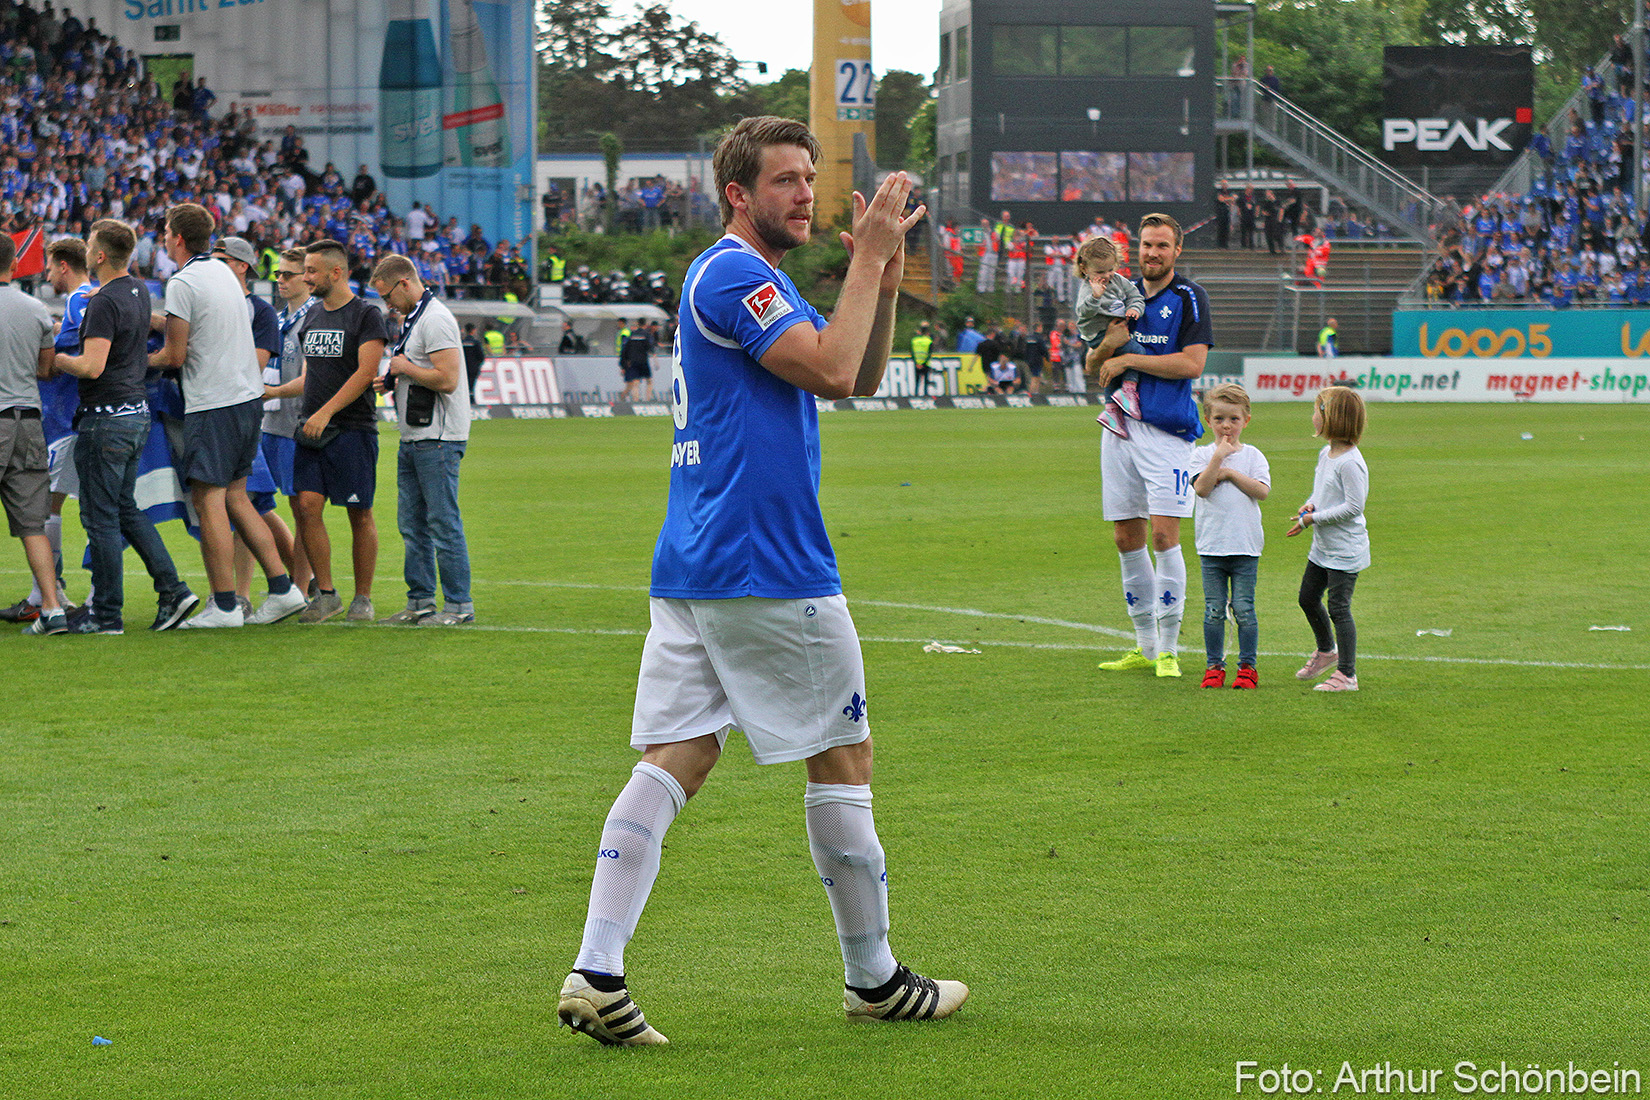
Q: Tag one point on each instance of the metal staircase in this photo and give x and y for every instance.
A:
(1328, 156)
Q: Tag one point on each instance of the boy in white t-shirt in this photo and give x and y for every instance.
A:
(1233, 479)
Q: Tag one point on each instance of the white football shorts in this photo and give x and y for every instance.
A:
(1148, 474)
(787, 673)
(60, 464)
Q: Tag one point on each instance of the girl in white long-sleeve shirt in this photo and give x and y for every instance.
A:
(1340, 538)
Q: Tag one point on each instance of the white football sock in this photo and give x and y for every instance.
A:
(1171, 601)
(1138, 584)
(627, 865)
(848, 856)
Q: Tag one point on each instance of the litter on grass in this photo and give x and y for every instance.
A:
(100, 1041)
(1621, 628)
(1436, 633)
(1526, 435)
(941, 647)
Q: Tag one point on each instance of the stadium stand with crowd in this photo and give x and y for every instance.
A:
(85, 134)
(1575, 237)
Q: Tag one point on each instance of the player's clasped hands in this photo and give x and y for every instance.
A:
(879, 227)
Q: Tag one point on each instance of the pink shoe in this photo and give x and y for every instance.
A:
(1315, 664)
(1128, 398)
(1338, 682)
(1111, 418)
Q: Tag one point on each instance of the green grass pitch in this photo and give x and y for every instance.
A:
(352, 862)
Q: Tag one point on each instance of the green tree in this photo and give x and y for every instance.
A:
(899, 96)
(612, 154)
(1327, 53)
(786, 97)
(653, 78)
(924, 127)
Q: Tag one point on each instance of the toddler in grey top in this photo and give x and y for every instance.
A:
(1102, 297)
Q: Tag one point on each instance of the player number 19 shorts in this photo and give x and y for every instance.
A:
(787, 673)
(1148, 474)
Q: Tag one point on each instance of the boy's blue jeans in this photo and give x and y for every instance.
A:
(1234, 574)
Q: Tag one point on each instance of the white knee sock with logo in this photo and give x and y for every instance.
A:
(1171, 598)
(1138, 583)
(627, 865)
(849, 858)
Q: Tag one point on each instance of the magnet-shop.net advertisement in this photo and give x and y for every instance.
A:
(1571, 380)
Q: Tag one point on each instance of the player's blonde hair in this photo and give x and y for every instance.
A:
(1227, 393)
(1342, 411)
(1093, 253)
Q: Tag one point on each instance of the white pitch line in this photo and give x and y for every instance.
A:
(878, 640)
(977, 613)
(1112, 632)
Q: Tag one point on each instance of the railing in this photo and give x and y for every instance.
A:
(1329, 155)
(1362, 309)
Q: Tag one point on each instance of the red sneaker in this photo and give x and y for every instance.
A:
(1214, 678)
(1246, 678)
(20, 612)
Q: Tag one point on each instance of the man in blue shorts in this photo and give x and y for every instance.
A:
(1146, 479)
(343, 341)
(209, 342)
(749, 625)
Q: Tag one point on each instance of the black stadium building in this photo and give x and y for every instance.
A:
(1058, 110)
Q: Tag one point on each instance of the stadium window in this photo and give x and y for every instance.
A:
(1024, 177)
(965, 196)
(1161, 51)
(1024, 50)
(948, 183)
(1093, 177)
(961, 55)
(945, 59)
(1093, 51)
(1161, 177)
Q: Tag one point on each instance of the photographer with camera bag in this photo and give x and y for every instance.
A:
(432, 409)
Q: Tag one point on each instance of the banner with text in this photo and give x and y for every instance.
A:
(1455, 105)
(1517, 333)
(1596, 381)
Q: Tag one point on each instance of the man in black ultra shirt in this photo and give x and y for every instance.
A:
(113, 423)
(343, 344)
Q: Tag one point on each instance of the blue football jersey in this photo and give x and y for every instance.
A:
(60, 394)
(1175, 318)
(743, 517)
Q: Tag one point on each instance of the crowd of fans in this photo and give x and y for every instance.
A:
(643, 204)
(1576, 236)
(86, 133)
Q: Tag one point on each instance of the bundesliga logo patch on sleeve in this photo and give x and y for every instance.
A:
(765, 304)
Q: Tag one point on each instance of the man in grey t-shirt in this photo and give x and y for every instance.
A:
(209, 340)
(26, 355)
(432, 410)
